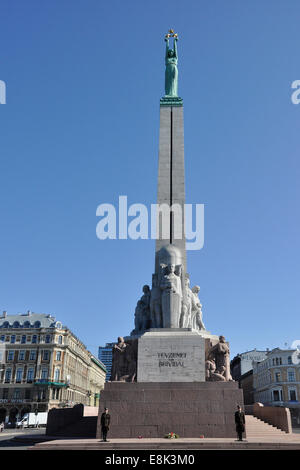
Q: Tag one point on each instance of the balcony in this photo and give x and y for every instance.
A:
(47, 382)
(23, 400)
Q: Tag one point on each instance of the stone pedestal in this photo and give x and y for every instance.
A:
(171, 355)
(190, 409)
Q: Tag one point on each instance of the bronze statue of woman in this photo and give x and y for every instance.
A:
(171, 76)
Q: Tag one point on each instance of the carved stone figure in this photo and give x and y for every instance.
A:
(197, 322)
(119, 363)
(210, 372)
(142, 312)
(170, 286)
(219, 354)
(124, 361)
(131, 359)
(171, 280)
(186, 312)
(155, 304)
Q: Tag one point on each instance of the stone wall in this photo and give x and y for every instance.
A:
(275, 415)
(155, 409)
(59, 418)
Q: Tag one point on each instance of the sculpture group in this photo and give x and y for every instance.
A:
(171, 303)
(124, 361)
(217, 362)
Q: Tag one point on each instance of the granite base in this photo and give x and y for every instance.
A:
(154, 409)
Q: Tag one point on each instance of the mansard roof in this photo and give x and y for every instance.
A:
(29, 320)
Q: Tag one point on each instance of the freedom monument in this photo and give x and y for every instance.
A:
(170, 374)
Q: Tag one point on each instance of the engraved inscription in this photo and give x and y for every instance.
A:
(171, 359)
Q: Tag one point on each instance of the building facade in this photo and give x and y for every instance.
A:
(276, 381)
(246, 384)
(243, 363)
(44, 365)
(105, 356)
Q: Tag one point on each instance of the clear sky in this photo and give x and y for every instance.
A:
(80, 128)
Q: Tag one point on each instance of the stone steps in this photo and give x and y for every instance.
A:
(255, 428)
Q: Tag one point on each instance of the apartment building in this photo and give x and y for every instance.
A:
(44, 365)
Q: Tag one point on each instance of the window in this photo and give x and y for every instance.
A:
(23, 339)
(277, 376)
(58, 355)
(32, 355)
(42, 395)
(5, 324)
(60, 340)
(13, 339)
(7, 375)
(17, 393)
(2, 338)
(34, 339)
(277, 395)
(21, 355)
(19, 375)
(10, 355)
(27, 393)
(56, 375)
(48, 339)
(44, 374)
(37, 324)
(30, 373)
(292, 395)
(26, 324)
(16, 324)
(5, 394)
(46, 355)
(290, 360)
(291, 376)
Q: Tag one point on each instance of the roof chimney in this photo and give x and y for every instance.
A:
(4, 314)
(28, 312)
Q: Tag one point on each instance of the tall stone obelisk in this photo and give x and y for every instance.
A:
(171, 185)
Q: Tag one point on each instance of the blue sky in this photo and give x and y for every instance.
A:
(80, 128)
